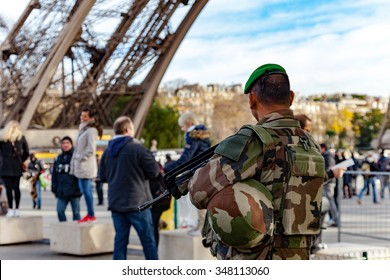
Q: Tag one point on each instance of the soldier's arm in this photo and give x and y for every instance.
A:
(236, 159)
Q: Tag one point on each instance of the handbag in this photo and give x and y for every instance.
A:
(42, 180)
(24, 167)
(3, 201)
(33, 191)
(22, 164)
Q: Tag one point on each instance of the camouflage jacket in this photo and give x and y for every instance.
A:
(241, 157)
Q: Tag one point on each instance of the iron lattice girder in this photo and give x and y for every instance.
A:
(95, 63)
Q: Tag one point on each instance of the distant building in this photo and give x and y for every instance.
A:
(323, 109)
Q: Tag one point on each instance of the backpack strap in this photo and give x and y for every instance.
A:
(269, 148)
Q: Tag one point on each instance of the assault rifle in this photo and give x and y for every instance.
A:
(176, 180)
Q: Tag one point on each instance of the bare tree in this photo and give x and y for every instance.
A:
(3, 25)
(229, 115)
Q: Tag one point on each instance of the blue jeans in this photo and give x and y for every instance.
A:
(61, 207)
(367, 182)
(39, 193)
(143, 224)
(85, 186)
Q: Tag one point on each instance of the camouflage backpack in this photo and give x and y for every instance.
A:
(288, 203)
(297, 193)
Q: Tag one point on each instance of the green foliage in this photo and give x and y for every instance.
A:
(161, 124)
(367, 127)
(119, 105)
(330, 132)
(343, 134)
(359, 96)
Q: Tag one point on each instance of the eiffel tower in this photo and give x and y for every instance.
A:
(110, 55)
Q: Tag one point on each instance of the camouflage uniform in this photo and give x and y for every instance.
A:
(295, 186)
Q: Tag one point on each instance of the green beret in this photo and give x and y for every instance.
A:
(266, 69)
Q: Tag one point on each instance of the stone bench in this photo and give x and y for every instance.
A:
(178, 245)
(82, 239)
(20, 229)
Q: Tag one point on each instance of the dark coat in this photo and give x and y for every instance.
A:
(197, 140)
(12, 162)
(126, 165)
(63, 184)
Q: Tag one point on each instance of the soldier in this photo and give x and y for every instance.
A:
(262, 189)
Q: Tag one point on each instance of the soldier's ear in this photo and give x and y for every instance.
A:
(252, 100)
(292, 94)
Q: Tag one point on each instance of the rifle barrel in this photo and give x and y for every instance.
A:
(149, 203)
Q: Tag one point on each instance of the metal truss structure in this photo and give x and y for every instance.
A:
(110, 55)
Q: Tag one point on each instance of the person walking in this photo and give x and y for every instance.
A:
(384, 166)
(83, 163)
(35, 168)
(254, 184)
(14, 151)
(369, 165)
(64, 185)
(126, 165)
(99, 186)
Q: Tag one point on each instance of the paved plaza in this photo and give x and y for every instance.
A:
(40, 250)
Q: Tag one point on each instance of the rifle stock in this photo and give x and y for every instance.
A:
(175, 180)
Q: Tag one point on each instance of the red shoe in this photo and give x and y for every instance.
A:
(87, 219)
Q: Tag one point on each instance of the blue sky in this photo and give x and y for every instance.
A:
(326, 46)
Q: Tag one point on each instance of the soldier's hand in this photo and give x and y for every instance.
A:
(339, 172)
(178, 192)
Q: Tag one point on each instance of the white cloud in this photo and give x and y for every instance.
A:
(342, 48)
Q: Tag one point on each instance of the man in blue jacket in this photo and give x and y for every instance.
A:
(127, 166)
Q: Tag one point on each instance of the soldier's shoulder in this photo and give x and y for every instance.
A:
(233, 146)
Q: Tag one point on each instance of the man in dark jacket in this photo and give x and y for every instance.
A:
(64, 185)
(127, 165)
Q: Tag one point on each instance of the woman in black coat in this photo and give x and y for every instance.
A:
(14, 151)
